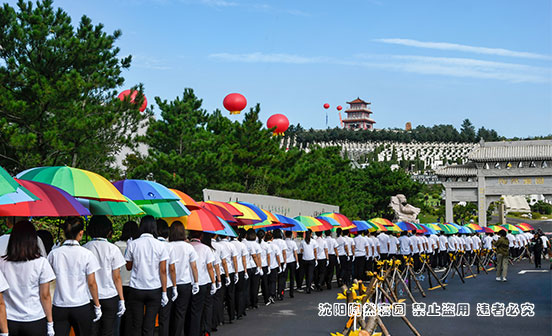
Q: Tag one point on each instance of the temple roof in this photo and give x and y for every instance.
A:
(512, 151)
(468, 169)
(358, 101)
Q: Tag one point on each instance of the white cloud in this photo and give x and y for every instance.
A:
(219, 3)
(464, 48)
(148, 62)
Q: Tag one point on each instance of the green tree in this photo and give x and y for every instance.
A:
(467, 131)
(58, 102)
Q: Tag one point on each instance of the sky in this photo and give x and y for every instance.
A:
(424, 62)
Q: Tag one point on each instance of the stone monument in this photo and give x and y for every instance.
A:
(404, 212)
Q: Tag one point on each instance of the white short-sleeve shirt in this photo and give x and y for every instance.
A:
(125, 275)
(511, 239)
(110, 258)
(146, 253)
(443, 243)
(383, 240)
(283, 246)
(331, 244)
(72, 264)
(205, 256)
(171, 261)
(24, 279)
(488, 242)
(185, 254)
(292, 247)
(350, 244)
(274, 251)
(406, 245)
(264, 252)
(341, 246)
(320, 254)
(253, 248)
(232, 252)
(393, 242)
(360, 246)
(308, 249)
(242, 252)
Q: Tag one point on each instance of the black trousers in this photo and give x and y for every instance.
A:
(195, 311)
(320, 273)
(144, 306)
(254, 282)
(34, 328)
(443, 258)
(300, 272)
(207, 316)
(370, 266)
(359, 265)
(179, 310)
(416, 258)
(347, 270)
(229, 296)
(330, 270)
(384, 256)
(240, 294)
(218, 303)
(309, 272)
(282, 277)
(272, 282)
(164, 317)
(433, 258)
(291, 271)
(126, 320)
(341, 270)
(264, 285)
(538, 255)
(105, 326)
(80, 318)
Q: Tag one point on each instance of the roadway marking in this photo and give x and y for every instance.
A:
(490, 269)
(402, 300)
(469, 276)
(533, 271)
(438, 286)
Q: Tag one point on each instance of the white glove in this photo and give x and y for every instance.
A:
(213, 289)
(236, 278)
(122, 308)
(174, 294)
(195, 289)
(284, 267)
(338, 261)
(280, 269)
(50, 331)
(227, 282)
(353, 258)
(297, 266)
(315, 263)
(268, 272)
(260, 271)
(98, 313)
(246, 275)
(4, 334)
(219, 285)
(327, 263)
(348, 258)
(164, 299)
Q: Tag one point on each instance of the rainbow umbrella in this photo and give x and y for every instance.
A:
(460, 228)
(528, 226)
(165, 209)
(330, 220)
(429, 229)
(487, 230)
(475, 227)
(326, 225)
(448, 229)
(77, 182)
(513, 228)
(53, 202)
(376, 226)
(146, 192)
(111, 208)
(199, 220)
(219, 212)
(342, 220)
(406, 226)
(271, 217)
(361, 226)
(228, 207)
(295, 225)
(381, 221)
(249, 216)
(308, 221)
(419, 228)
(497, 228)
(226, 231)
(7, 184)
(187, 200)
(434, 226)
(523, 227)
(20, 195)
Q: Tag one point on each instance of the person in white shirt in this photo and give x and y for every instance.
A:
(443, 246)
(266, 252)
(165, 312)
(278, 240)
(274, 260)
(218, 300)
(322, 258)
(75, 268)
(418, 247)
(292, 261)
(28, 276)
(308, 248)
(361, 251)
(434, 250)
(254, 268)
(5, 238)
(405, 248)
(488, 241)
(394, 245)
(123, 326)
(512, 243)
(108, 277)
(3, 319)
(147, 259)
(375, 249)
(344, 258)
(332, 255)
(240, 294)
(186, 275)
(232, 277)
(384, 244)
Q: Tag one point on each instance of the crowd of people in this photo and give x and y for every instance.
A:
(192, 282)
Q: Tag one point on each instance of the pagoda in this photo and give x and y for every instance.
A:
(358, 116)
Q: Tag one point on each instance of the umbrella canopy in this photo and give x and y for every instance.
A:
(53, 202)
(487, 229)
(308, 221)
(295, 225)
(330, 220)
(448, 229)
(111, 208)
(460, 228)
(200, 220)
(7, 184)
(271, 217)
(512, 228)
(381, 221)
(428, 229)
(249, 216)
(475, 227)
(523, 227)
(77, 182)
(343, 221)
(20, 195)
(145, 192)
(497, 228)
(226, 231)
(528, 226)
(376, 226)
(434, 226)
(419, 228)
(187, 200)
(165, 209)
(326, 225)
(361, 226)
(228, 207)
(219, 212)
(406, 226)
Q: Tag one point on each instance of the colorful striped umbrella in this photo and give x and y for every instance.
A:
(7, 184)
(487, 229)
(326, 225)
(512, 228)
(361, 226)
(295, 225)
(376, 226)
(226, 231)
(475, 227)
(497, 228)
(187, 200)
(406, 226)
(271, 217)
(219, 212)
(249, 216)
(341, 219)
(448, 229)
(20, 195)
(128, 208)
(528, 226)
(145, 192)
(523, 227)
(460, 228)
(200, 220)
(228, 207)
(308, 221)
(382, 221)
(330, 220)
(434, 226)
(165, 209)
(77, 182)
(419, 228)
(429, 230)
(53, 202)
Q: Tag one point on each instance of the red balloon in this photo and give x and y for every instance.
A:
(279, 121)
(133, 95)
(326, 106)
(339, 108)
(234, 103)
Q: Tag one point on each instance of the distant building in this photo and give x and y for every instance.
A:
(358, 116)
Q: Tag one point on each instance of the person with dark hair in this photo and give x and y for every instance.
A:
(165, 312)
(351, 247)
(361, 253)
(322, 258)
(197, 321)
(332, 258)
(537, 249)
(243, 277)
(342, 255)
(274, 260)
(3, 319)
(147, 260)
(209, 322)
(254, 268)
(231, 278)
(292, 261)
(265, 260)
(186, 274)
(222, 252)
(123, 326)
(28, 304)
(108, 277)
(75, 268)
(502, 253)
(278, 240)
(47, 239)
(309, 248)
(443, 246)
(5, 238)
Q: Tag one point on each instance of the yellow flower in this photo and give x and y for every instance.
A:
(354, 333)
(341, 296)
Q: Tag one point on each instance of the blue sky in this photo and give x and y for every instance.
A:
(427, 62)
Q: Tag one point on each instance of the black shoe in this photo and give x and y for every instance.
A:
(239, 317)
(291, 295)
(308, 291)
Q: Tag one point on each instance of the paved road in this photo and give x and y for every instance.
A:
(299, 316)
